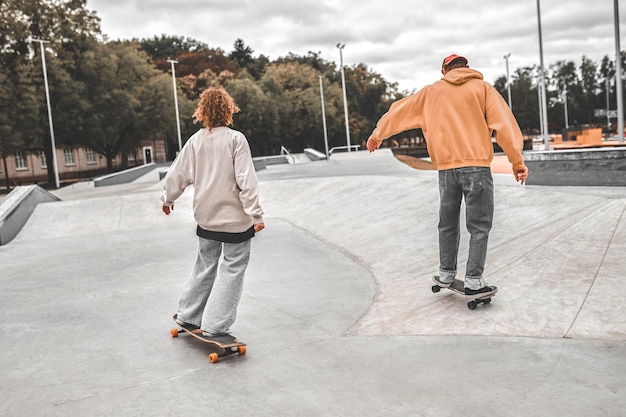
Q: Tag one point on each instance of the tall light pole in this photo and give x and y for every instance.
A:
(543, 108)
(618, 76)
(324, 116)
(45, 79)
(508, 79)
(608, 103)
(173, 61)
(345, 99)
(565, 105)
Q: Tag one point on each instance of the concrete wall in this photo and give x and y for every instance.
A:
(578, 167)
(125, 176)
(17, 207)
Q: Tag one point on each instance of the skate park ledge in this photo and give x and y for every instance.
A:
(577, 167)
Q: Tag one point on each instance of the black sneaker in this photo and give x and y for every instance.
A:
(185, 325)
(484, 290)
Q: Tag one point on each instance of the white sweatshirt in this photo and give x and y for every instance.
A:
(226, 191)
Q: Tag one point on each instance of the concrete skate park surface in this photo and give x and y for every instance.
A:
(337, 308)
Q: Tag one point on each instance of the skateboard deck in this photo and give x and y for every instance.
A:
(227, 345)
(458, 287)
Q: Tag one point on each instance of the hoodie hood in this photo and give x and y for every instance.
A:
(460, 76)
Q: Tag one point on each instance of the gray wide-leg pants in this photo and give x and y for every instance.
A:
(212, 293)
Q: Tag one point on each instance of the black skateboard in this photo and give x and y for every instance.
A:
(227, 345)
(459, 288)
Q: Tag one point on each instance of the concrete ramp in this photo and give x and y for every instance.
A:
(556, 257)
(337, 308)
(17, 207)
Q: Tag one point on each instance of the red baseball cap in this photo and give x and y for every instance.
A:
(447, 60)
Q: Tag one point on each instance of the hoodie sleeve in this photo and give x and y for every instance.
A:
(247, 181)
(180, 175)
(404, 114)
(500, 119)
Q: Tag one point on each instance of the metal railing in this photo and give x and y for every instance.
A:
(284, 151)
(343, 148)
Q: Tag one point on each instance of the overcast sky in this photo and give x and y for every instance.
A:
(403, 40)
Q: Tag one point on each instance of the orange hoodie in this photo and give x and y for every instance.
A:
(457, 115)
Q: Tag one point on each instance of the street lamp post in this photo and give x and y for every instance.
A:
(45, 79)
(345, 99)
(324, 117)
(565, 105)
(543, 108)
(618, 76)
(508, 79)
(608, 104)
(180, 143)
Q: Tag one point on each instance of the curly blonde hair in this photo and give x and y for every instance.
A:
(215, 109)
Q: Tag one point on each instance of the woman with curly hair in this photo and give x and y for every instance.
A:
(216, 160)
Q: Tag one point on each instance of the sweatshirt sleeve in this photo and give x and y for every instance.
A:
(404, 114)
(247, 181)
(179, 176)
(500, 119)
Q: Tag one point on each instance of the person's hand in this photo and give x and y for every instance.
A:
(372, 145)
(521, 174)
(167, 209)
(258, 227)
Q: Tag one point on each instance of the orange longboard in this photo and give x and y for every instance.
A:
(227, 344)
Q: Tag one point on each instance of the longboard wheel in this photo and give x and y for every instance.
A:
(436, 288)
(472, 305)
(241, 350)
(213, 357)
(174, 332)
(486, 300)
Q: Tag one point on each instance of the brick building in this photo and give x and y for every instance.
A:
(74, 164)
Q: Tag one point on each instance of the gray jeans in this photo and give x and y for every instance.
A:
(475, 184)
(212, 293)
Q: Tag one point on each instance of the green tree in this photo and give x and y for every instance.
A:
(241, 54)
(128, 99)
(563, 81)
(256, 119)
(369, 96)
(293, 91)
(162, 48)
(589, 87)
(525, 99)
(67, 25)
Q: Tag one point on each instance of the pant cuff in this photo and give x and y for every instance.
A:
(446, 276)
(474, 283)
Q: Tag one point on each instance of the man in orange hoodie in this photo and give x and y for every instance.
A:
(458, 115)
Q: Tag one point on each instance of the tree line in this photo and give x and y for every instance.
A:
(575, 94)
(110, 96)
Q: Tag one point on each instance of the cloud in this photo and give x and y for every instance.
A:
(403, 40)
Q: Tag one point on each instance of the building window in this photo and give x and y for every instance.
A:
(44, 161)
(68, 156)
(131, 156)
(91, 156)
(20, 161)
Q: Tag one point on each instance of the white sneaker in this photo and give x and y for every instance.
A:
(441, 283)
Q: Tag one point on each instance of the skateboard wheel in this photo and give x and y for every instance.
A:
(472, 305)
(213, 357)
(174, 332)
(241, 350)
(487, 301)
(436, 288)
